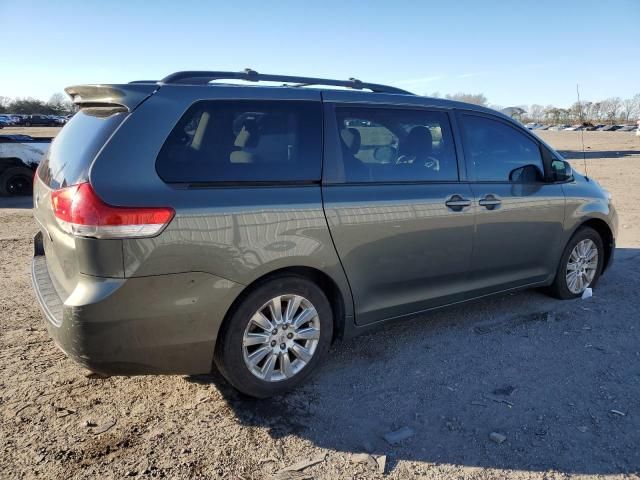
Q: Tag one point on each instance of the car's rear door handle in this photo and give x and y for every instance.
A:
(457, 203)
(490, 202)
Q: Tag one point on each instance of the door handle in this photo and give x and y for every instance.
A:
(490, 202)
(457, 203)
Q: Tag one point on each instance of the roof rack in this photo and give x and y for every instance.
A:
(204, 77)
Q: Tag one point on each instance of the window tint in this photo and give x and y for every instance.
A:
(387, 145)
(494, 150)
(236, 141)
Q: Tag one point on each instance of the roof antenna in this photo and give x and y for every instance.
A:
(582, 127)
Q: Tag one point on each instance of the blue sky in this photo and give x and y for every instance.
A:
(515, 52)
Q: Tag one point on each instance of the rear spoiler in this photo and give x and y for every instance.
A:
(127, 96)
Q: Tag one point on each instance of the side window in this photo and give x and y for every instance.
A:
(244, 141)
(496, 152)
(385, 144)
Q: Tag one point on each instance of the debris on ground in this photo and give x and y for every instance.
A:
(506, 390)
(397, 436)
(364, 458)
(104, 427)
(62, 412)
(498, 400)
(381, 460)
(618, 412)
(497, 437)
(22, 408)
(279, 450)
(296, 467)
(588, 293)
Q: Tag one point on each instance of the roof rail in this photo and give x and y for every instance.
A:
(204, 77)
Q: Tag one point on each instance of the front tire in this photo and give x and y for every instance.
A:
(580, 265)
(276, 337)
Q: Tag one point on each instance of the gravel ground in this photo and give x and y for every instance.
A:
(519, 385)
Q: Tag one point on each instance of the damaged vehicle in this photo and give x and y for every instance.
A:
(20, 155)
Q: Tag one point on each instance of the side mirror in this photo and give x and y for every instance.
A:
(561, 171)
(526, 174)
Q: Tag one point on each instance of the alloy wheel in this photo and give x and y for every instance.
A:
(581, 266)
(281, 338)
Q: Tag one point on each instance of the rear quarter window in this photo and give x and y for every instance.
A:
(71, 153)
(244, 141)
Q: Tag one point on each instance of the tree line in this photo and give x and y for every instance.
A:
(58, 104)
(612, 110)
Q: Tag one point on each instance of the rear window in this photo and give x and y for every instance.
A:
(244, 141)
(71, 153)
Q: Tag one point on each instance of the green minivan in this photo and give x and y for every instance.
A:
(190, 224)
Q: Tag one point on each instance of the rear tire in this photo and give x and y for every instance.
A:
(16, 181)
(241, 338)
(561, 287)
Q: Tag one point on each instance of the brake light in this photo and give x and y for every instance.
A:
(79, 211)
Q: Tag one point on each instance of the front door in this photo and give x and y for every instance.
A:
(519, 216)
(401, 220)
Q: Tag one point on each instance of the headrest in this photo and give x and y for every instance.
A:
(351, 139)
(248, 136)
(418, 142)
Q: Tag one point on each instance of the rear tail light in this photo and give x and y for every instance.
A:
(80, 212)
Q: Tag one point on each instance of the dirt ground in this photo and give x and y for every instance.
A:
(559, 380)
(33, 131)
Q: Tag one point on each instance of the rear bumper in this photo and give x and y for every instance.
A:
(163, 324)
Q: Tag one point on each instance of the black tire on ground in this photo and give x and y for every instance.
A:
(229, 350)
(559, 288)
(16, 181)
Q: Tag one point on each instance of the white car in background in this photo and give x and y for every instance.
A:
(20, 155)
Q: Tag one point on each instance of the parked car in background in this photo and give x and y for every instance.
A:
(4, 123)
(20, 155)
(40, 120)
(7, 120)
(17, 119)
(186, 224)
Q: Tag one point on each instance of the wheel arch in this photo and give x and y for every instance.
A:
(605, 233)
(325, 282)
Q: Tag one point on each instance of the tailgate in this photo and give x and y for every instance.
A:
(67, 163)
